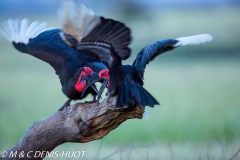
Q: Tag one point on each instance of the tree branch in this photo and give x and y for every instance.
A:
(82, 122)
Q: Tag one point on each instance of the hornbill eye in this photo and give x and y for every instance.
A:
(104, 74)
(88, 70)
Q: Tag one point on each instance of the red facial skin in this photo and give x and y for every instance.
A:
(105, 74)
(81, 84)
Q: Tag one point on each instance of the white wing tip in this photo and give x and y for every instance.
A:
(194, 40)
(14, 31)
(76, 19)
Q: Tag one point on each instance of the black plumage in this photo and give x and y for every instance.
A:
(70, 65)
(90, 48)
(126, 81)
(71, 51)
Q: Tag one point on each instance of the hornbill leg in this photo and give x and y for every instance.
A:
(94, 98)
(65, 105)
(108, 97)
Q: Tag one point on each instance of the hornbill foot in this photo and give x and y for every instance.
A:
(92, 101)
(65, 105)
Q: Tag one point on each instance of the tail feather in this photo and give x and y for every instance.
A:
(17, 32)
(143, 101)
(148, 97)
(132, 93)
(123, 96)
(120, 103)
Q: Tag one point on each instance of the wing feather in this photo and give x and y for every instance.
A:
(148, 53)
(81, 25)
(77, 22)
(14, 32)
(194, 40)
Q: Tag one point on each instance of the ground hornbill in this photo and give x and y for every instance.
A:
(72, 50)
(127, 80)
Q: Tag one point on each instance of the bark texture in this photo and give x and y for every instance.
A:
(82, 122)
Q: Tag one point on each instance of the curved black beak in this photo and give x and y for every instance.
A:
(91, 80)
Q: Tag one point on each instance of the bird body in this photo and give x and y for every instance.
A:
(70, 50)
(69, 64)
(91, 48)
(49, 47)
(130, 86)
(126, 81)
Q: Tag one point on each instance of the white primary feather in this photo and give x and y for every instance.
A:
(4, 34)
(77, 22)
(6, 30)
(23, 27)
(15, 27)
(193, 40)
(10, 24)
(39, 29)
(31, 28)
(15, 33)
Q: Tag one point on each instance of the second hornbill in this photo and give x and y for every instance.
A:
(71, 50)
(126, 81)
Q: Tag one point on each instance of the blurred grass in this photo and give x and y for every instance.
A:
(199, 111)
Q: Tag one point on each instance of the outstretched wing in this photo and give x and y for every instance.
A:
(101, 38)
(148, 53)
(44, 43)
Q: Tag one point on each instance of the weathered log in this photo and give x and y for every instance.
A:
(82, 122)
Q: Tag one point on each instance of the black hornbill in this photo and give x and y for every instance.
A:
(127, 80)
(71, 50)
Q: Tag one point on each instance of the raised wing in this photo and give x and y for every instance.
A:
(148, 53)
(46, 44)
(15, 31)
(101, 38)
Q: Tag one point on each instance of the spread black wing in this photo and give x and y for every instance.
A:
(114, 33)
(149, 52)
(98, 37)
(46, 44)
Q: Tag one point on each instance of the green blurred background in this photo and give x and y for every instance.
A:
(198, 86)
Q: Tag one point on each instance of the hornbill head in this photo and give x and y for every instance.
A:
(84, 77)
(100, 74)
